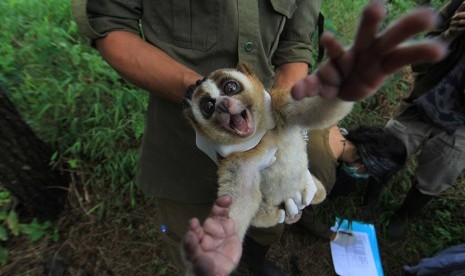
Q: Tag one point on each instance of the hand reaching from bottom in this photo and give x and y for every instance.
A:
(213, 248)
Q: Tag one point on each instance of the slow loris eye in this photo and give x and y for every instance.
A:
(207, 106)
(231, 87)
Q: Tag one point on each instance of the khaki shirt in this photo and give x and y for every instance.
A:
(204, 35)
(321, 160)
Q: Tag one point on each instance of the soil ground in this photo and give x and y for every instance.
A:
(126, 242)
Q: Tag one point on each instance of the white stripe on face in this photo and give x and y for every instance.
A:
(213, 92)
(210, 86)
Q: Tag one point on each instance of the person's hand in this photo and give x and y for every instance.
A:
(213, 248)
(457, 24)
(356, 73)
(344, 238)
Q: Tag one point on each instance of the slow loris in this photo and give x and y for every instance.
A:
(257, 143)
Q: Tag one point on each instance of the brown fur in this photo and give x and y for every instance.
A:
(257, 188)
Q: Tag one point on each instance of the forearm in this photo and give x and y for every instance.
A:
(146, 65)
(288, 74)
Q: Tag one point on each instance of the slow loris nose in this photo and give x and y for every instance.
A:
(223, 106)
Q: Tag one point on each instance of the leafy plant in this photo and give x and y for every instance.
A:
(10, 225)
(72, 98)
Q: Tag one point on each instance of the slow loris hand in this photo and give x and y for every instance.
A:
(356, 73)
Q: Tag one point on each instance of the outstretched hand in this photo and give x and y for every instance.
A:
(357, 72)
(214, 248)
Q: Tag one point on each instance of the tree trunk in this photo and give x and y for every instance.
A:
(25, 166)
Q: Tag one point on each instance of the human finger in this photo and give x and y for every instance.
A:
(369, 23)
(457, 29)
(404, 28)
(457, 25)
(458, 16)
(459, 20)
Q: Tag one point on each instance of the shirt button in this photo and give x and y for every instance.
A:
(248, 46)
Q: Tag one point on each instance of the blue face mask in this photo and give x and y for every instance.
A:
(352, 172)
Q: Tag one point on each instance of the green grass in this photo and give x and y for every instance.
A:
(68, 94)
(94, 120)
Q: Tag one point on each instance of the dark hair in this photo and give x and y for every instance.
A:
(381, 153)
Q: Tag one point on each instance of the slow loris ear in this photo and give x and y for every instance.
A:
(245, 69)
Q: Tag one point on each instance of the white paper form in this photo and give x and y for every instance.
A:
(362, 257)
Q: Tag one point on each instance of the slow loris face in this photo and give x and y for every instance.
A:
(227, 107)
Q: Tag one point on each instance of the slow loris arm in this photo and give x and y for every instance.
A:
(313, 113)
(243, 185)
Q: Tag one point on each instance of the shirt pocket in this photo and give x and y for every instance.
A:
(274, 23)
(285, 7)
(187, 24)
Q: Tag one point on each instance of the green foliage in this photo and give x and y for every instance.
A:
(74, 101)
(342, 17)
(10, 225)
(69, 95)
(396, 8)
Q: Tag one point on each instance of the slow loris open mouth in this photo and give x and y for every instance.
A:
(239, 123)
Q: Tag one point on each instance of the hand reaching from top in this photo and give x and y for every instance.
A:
(357, 72)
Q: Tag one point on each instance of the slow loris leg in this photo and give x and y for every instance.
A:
(239, 177)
